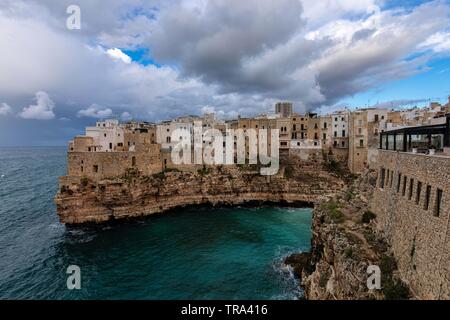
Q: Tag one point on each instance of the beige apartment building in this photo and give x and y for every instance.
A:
(299, 127)
(358, 141)
(326, 131)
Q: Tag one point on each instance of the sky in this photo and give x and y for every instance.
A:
(155, 60)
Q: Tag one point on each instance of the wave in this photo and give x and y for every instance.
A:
(289, 283)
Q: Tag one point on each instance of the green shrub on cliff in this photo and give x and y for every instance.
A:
(393, 288)
(288, 172)
(396, 290)
(84, 181)
(204, 171)
(159, 175)
(334, 213)
(348, 252)
(368, 216)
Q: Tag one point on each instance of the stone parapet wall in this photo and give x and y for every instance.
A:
(419, 236)
(101, 165)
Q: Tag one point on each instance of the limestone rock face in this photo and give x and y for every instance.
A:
(134, 195)
(345, 243)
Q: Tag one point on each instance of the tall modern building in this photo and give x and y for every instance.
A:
(284, 109)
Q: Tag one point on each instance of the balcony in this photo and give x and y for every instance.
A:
(431, 140)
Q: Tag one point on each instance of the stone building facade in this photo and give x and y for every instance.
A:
(100, 165)
(358, 141)
(412, 205)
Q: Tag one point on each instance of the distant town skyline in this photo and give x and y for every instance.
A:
(155, 60)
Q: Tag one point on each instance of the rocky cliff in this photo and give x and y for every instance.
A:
(345, 242)
(135, 195)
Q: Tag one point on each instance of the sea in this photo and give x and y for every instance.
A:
(193, 253)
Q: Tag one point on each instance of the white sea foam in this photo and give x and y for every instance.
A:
(290, 284)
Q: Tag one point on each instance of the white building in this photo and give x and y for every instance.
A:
(107, 135)
(165, 133)
(339, 124)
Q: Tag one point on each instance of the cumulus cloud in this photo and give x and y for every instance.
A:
(42, 110)
(95, 111)
(398, 103)
(5, 109)
(126, 116)
(118, 54)
(439, 42)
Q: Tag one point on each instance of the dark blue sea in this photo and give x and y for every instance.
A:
(229, 253)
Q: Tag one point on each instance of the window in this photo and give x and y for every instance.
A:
(324, 125)
(437, 208)
(315, 143)
(376, 118)
(360, 131)
(426, 205)
(361, 143)
(335, 134)
(133, 161)
(343, 144)
(168, 139)
(110, 146)
(418, 192)
(399, 181)
(405, 181)
(95, 168)
(411, 186)
(343, 133)
(294, 127)
(382, 177)
(316, 136)
(315, 126)
(324, 136)
(391, 180)
(360, 122)
(335, 143)
(82, 169)
(104, 135)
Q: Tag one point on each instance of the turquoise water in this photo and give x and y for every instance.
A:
(229, 253)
